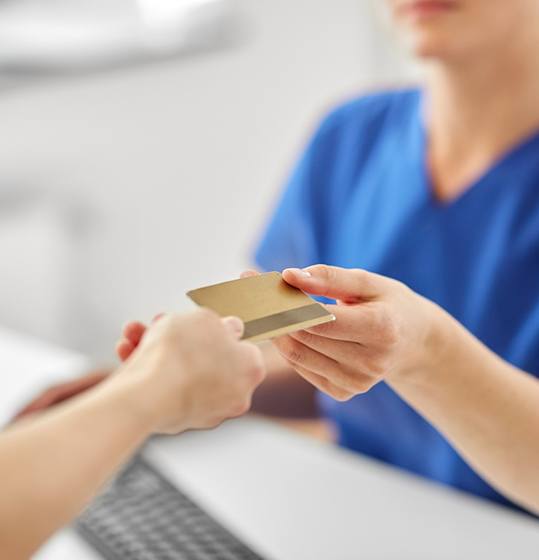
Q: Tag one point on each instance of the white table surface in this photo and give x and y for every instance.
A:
(290, 497)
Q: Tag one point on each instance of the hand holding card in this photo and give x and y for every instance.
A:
(267, 305)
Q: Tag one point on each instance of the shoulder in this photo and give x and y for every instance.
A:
(372, 111)
(351, 133)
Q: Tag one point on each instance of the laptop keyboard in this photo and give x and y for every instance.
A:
(142, 516)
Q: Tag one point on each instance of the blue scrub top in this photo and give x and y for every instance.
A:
(361, 198)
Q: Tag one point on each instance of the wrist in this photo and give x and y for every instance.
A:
(436, 346)
(133, 396)
(152, 397)
(137, 395)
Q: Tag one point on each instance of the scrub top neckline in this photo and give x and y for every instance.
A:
(501, 163)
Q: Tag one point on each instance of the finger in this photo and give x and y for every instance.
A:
(349, 285)
(297, 354)
(157, 317)
(361, 367)
(134, 331)
(40, 403)
(124, 349)
(60, 393)
(324, 385)
(367, 361)
(362, 324)
(249, 273)
(350, 323)
(341, 351)
(68, 390)
(340, 374)
(83, 383)
(234, 325)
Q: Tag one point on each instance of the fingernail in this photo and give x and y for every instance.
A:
(234, 325)
(300, 272)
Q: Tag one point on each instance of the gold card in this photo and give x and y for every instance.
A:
(267, 305)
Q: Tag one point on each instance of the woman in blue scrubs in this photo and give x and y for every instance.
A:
(437, 187)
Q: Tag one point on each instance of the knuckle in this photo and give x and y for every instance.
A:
(364, 382)
(168, 319)
(385, 326)
(333, 391)
(360, 276)
(305, 336)
(168, 325)
(206, 315)
(391, 332)
(342, 395)
(241, 408)
(327, 274)
(321, 270)
(327, 387)
(295, 355)
(330, 273)
(254, 362)
(377, 366)
(376, 369)
(291, 350)
(215, 421)
(259, 373)
(364, 386)
(401, 286)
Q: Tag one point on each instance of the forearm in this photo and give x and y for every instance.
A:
(51, 466)
(177, 377)
(487, 408)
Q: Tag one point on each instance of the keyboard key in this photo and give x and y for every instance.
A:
(142, 516)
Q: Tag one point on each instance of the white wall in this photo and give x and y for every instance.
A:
(178, 163)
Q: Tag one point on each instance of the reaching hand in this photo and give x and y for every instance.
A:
(382, 331)
(193, 369)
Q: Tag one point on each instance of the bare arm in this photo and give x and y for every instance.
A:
(179, 378)
(487, 408)
(51, 466)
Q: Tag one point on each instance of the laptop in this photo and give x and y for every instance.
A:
(142, 516)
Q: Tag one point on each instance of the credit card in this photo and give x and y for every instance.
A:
(267, 305)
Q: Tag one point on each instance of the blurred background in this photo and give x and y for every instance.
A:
(144, 142)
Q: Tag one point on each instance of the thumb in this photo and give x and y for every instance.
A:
(234, 325)
(347, 285)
